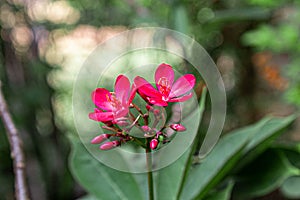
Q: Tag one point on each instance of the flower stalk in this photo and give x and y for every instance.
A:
(149, 173)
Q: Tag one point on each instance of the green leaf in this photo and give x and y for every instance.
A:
(291, 151)
(249, 141)
(169, 179)
(222, 158)
(99, 180)
(263, 175)
(289, 35)
(270, 128)
(223, 194)
(294, 157)
(266, 3)
(238, 14)
(87, 197)
(290, 187)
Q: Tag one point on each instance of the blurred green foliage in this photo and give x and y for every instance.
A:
(281, 37)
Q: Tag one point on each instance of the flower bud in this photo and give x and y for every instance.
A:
(109, 145)
(156, 112)
(153, 143)
(160, 138)
(146, 128)
(148, 107)
(108, 123)
(100, 138)
(177, 127)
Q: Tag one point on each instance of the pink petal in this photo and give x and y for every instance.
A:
(132, 93)
(182, 98)
(145, 89)
(183, 85)
(101, 116)
(101, 98)
(164, 76)
(122, 88)
(121, 113)
(157, 102)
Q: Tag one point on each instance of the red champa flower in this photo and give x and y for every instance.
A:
(112, 106)
(166, 91)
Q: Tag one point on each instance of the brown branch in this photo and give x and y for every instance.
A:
(21, 188)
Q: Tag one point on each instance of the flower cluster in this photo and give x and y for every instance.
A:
(119, 114)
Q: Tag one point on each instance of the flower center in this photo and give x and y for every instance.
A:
(116, 104)
(164, 87)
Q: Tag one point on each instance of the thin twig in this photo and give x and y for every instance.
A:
(145, 116)
(17, 154)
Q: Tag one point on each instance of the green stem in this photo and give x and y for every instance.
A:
(139, 142)
(145, 116)
(150, 176)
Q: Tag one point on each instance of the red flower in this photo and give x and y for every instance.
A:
(112, 106)
(166, 91)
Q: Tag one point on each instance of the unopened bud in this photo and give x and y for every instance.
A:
(153, 143)
(177, 127)
(100, 138)
(146, 128)
(160, 138)
(108, 123)
(149, 108)
(156, 112)
(109, 145)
